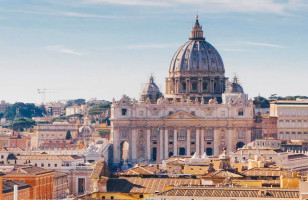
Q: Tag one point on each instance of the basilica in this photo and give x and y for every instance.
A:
(202, 112)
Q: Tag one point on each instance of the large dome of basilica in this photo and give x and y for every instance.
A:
(197, 55)
(196, 70)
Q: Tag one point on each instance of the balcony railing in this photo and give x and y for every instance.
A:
(208, 137)
(181, 138)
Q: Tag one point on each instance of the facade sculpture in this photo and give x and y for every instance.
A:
(196, 115)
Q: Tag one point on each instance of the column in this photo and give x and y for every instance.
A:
(248, 135)
(188, 143)
(202, 140)
(222, 86)
(116, 145)
(177, 85)
(216, 142)
(175, 145)
(200, 85)
(197, 140)
(166, 143)
(229, 140)
(134, 152)
(211, 85)
(161, 144)
(187, 85)
(148, 146)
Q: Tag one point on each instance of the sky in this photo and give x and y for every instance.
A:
(106, 48)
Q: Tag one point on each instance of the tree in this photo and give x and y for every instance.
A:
(98, 109)
(21, 123)
(68, 135)
(21, 110)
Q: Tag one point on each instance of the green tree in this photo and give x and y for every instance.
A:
(98, 109)
(68, 135)
(20, 124)
(103, 133)
(20, 110)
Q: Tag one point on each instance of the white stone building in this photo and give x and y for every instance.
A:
(292, 119)
(201, 111)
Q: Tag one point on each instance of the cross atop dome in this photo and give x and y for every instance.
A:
(196, 32)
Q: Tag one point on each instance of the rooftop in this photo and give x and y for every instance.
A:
(146, 185)
(29, 170)
(8, 185)
(232, 192)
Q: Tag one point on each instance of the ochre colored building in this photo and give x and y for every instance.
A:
(41, 180)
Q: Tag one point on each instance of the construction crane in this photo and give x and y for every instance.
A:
(43, 92)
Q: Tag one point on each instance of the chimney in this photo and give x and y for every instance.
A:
(15, 192)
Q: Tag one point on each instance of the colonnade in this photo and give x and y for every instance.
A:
(195, 140)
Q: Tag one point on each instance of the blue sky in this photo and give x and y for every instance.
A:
(106, 48)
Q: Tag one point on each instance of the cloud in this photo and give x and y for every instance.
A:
(82, 15)
(233, 50)
(149, 46)
(132, 2)
(264, 44)
(216, 6)
(65, 14)
(62, 49)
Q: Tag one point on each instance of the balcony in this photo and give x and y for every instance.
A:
(208, 137)
(153, 138)
(181, 138)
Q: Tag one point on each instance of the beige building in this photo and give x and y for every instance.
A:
(55, 131)
(60, 187)
(201, 112)
(292, 119)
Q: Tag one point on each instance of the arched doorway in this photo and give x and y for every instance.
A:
(239, 145)
(209, 151)
(124, 151)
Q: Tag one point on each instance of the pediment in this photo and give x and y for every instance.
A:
(181, 115)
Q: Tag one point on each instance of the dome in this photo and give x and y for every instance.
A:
(235, 87)
(197, 55)
(151, 91)
(86, 129)
(196, 70)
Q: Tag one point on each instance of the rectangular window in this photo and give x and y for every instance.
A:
(241, 112)
(240, 134)
(194, 86)
(204, 86)
(123, 133)
(184, 86)
(209, 133)
(42, 165)
(124, 111)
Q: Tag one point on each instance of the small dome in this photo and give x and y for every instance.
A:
(151, 91)
(235, 87)
(86, 129)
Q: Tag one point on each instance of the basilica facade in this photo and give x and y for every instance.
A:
(202, 111)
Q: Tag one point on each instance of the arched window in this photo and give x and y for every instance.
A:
(240, 112)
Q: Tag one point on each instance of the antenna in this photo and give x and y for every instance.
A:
(43, 92)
